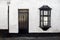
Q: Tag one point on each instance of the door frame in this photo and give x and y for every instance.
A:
(27, 19)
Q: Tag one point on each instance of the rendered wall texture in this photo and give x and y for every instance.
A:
(33, 6)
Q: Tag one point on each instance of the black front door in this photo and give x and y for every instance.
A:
(23, 20)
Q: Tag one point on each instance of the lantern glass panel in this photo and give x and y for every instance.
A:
(45, 12)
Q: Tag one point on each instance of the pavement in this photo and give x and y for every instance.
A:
(31, 38)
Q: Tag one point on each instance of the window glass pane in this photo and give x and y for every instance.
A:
(41, 18)
(41, 12)
(45, 23)
(49, 13)
(41, 24)
(45, 19)
(45, 12)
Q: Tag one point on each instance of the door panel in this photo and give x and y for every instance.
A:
(23, 20)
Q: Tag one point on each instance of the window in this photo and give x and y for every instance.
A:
(45, 17)
(45, 12)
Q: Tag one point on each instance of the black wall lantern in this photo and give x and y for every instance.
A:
(45, 17)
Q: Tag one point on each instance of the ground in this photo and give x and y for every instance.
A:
(31, 38)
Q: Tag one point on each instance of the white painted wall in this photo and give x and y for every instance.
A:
(3, 15)
(33, 6)
(13, 17)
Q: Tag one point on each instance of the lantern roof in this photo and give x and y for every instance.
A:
(45, 7)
